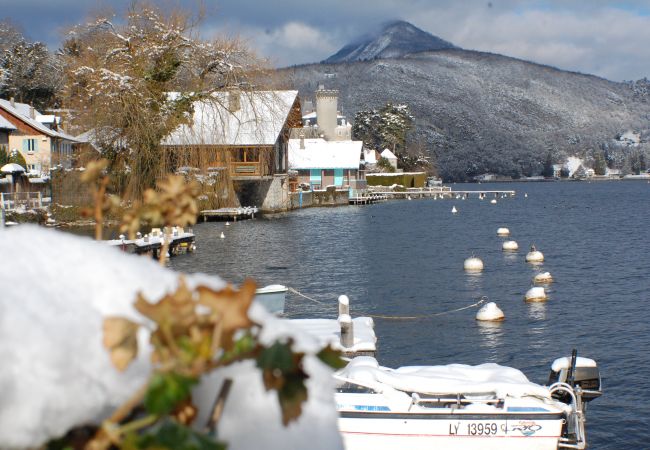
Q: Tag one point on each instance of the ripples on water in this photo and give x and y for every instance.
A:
(406, 258)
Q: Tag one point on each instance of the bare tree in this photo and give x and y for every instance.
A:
(120, 79)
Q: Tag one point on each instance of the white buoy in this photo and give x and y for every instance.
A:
(536, 294)
(510, 246)
(534, 255)
(408, 197)
(473, 264)
(227, 223)
(543, 278)
(454, 210)
(490, 312)
(223, 236)
(493, 201)
(525, 195)
(503, 232)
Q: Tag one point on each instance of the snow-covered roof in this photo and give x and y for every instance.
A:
(370, 156)
(451, 379)
(258, 120)
(48, 118)
(321, 154)
(388, 154)
(22, 112)
(5, 124)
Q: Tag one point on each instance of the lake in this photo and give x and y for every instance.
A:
(406, 258)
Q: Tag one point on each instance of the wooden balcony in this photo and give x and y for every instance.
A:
(245, 169)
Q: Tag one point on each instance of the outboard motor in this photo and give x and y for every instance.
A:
(577, 372)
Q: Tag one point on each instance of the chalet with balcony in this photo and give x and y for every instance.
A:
(37, 137)
(245, 134)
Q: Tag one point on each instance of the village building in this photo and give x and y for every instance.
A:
(390, 156)
(5, 129)
(326, 121)
(320, 163)
(323, 154)
(37, 137)
(240, 137)
(244, 133)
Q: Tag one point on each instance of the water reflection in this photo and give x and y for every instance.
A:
(474, 283)
(491, 334)
(537, 311)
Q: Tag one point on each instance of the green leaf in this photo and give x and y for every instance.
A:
(174, 436)
(278, 356)
(331, 357)
(166, 390)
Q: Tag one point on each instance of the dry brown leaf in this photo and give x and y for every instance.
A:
(120, 338)
(230, 306)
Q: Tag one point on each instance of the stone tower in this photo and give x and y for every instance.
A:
(326, 108)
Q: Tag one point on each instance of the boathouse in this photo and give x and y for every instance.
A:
(243, 136)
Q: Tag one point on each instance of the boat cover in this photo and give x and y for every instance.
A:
(450, 379)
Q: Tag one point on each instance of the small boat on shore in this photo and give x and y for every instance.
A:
(484, 407)
(272, 297)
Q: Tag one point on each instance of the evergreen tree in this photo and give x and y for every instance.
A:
(600, 165)
(4, 158)
(16, 157)
(547, 171)
(384, 128)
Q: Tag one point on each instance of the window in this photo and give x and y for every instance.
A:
(29, 145)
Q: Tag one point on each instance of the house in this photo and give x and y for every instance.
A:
(244, 133)
(390, 156)
(37, 137)
(320, 163)
(5, 129)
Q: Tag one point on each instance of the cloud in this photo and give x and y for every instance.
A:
(293, 42)
(609, 42)
(600, 37)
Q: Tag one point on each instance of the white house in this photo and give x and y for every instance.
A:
(390, 156)
(322, 163)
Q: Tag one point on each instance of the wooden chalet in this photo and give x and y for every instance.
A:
(243, 133)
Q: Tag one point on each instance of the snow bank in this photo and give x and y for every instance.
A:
(328, 331)
(56, 290)
(440, 380)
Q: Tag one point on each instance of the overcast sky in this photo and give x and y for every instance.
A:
(604, 38)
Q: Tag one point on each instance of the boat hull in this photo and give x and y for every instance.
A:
(272, 298)
(379, 431)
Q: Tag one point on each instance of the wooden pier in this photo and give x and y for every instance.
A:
(180, 242)
(234, 214)
(443, 193)
(367, 199)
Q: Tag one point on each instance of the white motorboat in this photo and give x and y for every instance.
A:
(463, 407)
(272, 297)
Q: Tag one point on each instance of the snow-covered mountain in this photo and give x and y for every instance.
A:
(479, 112)
(393, 40)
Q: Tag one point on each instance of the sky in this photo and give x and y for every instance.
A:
(603, 38)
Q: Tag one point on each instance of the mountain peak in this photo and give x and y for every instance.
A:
(393, 39)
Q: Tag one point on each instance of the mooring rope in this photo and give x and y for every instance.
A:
(386, 317)
(305, 296)
(426, 316)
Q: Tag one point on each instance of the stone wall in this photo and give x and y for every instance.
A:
(268, 194)
(329, 197)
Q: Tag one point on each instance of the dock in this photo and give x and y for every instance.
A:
(181, 242)
(367, 199)
(443, 193)
(234, 214)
